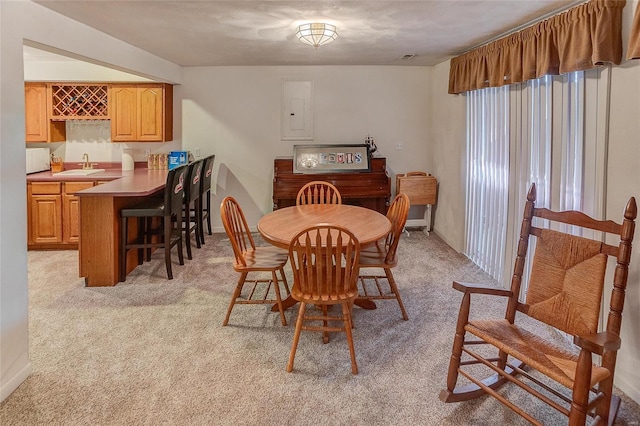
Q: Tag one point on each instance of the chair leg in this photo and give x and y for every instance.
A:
(458, 343)
(179, 241)
(276, 286)
(580, 394)
(296, 336)
(123, 250)
(394, 289)
(346, 314)
(167, 246)
(198, 221)
(234, 297)
(284, 280)
(208, 212)
(187, 230)
(148, 237)
(325, 324)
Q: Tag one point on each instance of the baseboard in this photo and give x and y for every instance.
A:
(630, 389)
(8, 386)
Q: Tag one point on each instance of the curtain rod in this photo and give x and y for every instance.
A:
(527, 24)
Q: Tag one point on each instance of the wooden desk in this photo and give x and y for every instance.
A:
(100, 223)
(280, 226)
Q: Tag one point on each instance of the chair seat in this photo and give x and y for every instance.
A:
(263, 259)
(375, 257)
(533, 350)
(151, 207)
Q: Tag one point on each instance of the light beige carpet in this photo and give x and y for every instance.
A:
(152, 351)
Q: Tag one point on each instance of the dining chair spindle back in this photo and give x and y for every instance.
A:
(324, 260)
(384, 255)
(251, 259)
(318, 192)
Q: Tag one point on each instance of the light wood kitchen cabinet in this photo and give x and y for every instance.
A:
(71, 211)
(53, 214)
(38, 125)
(45, 213)
(141, 112)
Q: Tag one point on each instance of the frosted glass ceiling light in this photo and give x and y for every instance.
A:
(316, 34)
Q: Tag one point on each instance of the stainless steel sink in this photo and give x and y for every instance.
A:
(78, 172)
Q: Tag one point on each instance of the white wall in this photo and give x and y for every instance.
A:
(234, 113)
(623, 181)
(19, 21)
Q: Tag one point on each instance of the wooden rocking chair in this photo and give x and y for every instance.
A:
(565, 291)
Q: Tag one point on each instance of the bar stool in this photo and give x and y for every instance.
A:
(168, 209)
(205, 196)
(192, 205)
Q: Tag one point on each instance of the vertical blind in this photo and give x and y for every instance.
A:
(488, 178)
(546, 131)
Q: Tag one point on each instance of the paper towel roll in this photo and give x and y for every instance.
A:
(127, 159)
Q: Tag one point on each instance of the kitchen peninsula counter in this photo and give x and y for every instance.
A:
(100, 208)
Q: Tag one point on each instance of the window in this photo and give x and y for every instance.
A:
(550, 131)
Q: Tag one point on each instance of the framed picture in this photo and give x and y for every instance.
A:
(331, 158)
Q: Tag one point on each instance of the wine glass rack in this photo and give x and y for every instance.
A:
(79, 102)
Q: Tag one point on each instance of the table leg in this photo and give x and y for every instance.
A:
(286, 304)
(365, 304)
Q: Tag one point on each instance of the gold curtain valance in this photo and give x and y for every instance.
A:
(580, 38)
(634, 40)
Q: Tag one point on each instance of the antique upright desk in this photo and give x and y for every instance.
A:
(367, 189)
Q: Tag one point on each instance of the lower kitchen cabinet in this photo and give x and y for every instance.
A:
(53, 214)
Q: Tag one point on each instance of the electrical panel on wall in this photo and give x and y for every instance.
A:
(297, 110)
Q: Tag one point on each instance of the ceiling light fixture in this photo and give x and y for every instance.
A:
(316, 34)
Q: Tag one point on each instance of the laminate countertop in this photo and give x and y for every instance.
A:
(117, 183)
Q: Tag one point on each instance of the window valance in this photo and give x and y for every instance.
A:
(580, 38)
(634, 40)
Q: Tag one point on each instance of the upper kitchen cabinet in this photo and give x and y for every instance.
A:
(39, 128)
(141, 112)
(79, 101)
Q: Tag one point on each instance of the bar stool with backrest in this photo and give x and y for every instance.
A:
(384, 255)
(168, 210)
(205, 196)
(192, 205)
(324, 260)
(318, 192)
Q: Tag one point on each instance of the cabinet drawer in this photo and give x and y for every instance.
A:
(45, 188)
(72, 187)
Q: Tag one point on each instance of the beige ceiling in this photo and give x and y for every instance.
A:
(210, 33)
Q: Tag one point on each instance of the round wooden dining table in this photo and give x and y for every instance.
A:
(280, 226)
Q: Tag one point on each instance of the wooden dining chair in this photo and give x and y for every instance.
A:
(167, 211)
(252, 259)
(324, 259)
(564, 292)
(384, 255)
(318, 192)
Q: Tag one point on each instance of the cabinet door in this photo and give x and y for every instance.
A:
(35, 103)
(150, 113)
(123, 113)
(71, 211)
(45, 222)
